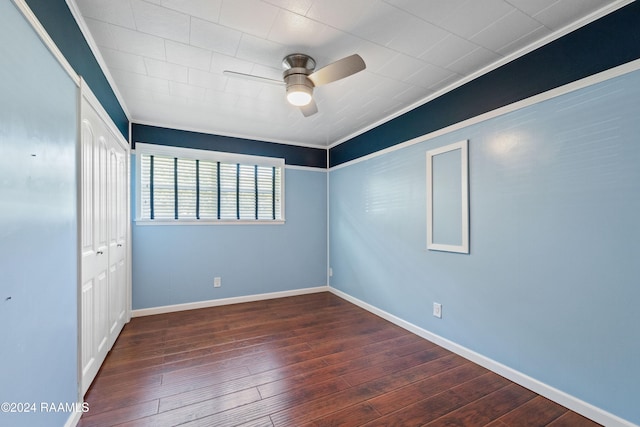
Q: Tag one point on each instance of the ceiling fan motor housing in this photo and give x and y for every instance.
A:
(297, 67)
(297, 77)
(299, 60)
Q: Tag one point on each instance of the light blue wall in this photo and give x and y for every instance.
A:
(38, 226)
(175, 264)
(552, 282)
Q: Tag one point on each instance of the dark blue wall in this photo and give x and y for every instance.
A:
(608, 42)
(57, 19)
(293, 154)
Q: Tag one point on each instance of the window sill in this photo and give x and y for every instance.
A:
(161, 222)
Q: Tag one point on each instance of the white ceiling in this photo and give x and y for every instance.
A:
(166, 57)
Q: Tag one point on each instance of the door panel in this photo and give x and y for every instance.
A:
(100, 305)
(87, 144)
(88, 336)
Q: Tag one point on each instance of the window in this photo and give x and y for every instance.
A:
(195, 186)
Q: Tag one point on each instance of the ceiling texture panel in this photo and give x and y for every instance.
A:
(167, 58)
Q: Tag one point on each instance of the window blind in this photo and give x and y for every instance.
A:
(205, 189)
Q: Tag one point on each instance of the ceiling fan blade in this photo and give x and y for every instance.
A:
(309, 109)
(338, 70)
(253, 77)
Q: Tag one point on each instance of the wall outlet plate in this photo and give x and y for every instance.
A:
(437, 310)
(217, 282)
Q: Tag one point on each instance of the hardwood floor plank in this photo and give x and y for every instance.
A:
(231, 386)
(118, 416)
(207, 345)
(496, 423)
(337, 351)
(340, 369)
(108, 387)
(310, 410)
(255, 379)
(311, 360)
(352, 416)
(572, 419)
(536, 412)
(397, 364)
(260, 422)
(254, 329)
(488, 408)
(237, 349)
(114, 384)
(459, 371)
(188, 379)
(197, 411)
(132, 395)
(441, 404)
(270, 405)
(255, 362)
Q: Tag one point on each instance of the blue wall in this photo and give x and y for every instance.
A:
(38, 226)
(176, 264)
(550, 287)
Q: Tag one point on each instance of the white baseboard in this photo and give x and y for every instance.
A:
(586, 409)
(74, 418)
(225, 301)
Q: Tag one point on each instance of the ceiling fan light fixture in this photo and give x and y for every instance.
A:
(299, 95)
(300, 77)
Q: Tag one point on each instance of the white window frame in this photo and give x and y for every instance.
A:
(215, 156)
(463, 148)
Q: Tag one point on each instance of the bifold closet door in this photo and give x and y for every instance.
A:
(117, 216)
(104, 285)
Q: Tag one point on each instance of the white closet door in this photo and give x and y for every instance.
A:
(100, 306)
(88, 250)
(94, 254)
(117, 239)
(104, 238)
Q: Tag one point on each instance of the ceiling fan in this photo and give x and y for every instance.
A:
(300, 77)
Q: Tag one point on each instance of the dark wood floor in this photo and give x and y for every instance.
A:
(312, 360)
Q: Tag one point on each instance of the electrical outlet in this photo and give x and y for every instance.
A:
(217, 282)
(330, 272)
(437, 310)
